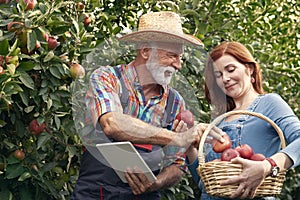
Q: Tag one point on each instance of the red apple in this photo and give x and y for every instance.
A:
(245, 151)
(37, 45)
(46, 36)
(19, 154)
(216, 160)
(229, 154)
(35, 128)
(1, 70)
(30, 4)
(219, 147)
(258, 157)
(77, 71)
(4, 1)
(52, 43)
(187, 117)
(87, 20)
(80, 6)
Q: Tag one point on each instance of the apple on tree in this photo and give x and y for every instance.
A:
(80, 6)
(52, 42)
(187, 117)
(1, 70)
(35, 128)
(77, 71)
(4, 1)
(87, 20)
(229, 154)
(19, 154)
(219, 147)
(30, 4)
(46, 36)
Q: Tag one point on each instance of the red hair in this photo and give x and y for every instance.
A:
(214, 95)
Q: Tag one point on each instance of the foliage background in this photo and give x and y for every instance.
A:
(36, 83)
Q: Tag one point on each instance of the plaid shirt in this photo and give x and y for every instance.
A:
(104, 96)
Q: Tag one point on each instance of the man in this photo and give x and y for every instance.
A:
(141, 119)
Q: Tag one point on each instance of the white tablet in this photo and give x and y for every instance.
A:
(123, 155)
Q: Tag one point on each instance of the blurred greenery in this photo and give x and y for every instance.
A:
(36, 81)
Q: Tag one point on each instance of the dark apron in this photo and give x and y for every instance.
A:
(98, 181)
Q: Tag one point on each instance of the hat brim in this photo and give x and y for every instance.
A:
(160, 36)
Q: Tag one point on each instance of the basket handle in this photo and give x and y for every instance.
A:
(217, 120)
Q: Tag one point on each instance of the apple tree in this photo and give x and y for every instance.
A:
(41, 46)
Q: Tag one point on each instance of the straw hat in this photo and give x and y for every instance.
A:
(161, 26)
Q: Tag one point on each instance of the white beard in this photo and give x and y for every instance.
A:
(161, 74)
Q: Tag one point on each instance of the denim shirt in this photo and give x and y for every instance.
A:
(259, 134)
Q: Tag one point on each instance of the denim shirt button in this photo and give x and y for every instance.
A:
(238, 126)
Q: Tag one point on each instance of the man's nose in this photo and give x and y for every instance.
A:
(177, 66)
(177, 62)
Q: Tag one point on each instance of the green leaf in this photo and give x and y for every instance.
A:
(8, 143)
(4, 47)
(5, 194)
(2, 123)
(189, 12)
(43, 138)
(71, 152)
(26, 80)
(49, 56)
(24, 176)
(31, 40)
(13, 171)
(11, 69)
(49, 104)
(55, 71)
(75, 23)
(57, 121)
(29, 109)
(14, 50)
(12, 88)
(48, 166)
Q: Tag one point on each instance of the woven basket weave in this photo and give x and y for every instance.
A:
(213, 173)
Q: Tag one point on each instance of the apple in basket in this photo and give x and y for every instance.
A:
(229, 154)
(245, 151)
(219, 147)
(258, 157)
(187, 117)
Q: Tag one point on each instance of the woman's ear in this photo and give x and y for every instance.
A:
(251, 70)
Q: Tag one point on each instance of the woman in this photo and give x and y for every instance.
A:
(233, 82)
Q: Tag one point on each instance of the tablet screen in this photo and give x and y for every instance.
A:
(123, 155)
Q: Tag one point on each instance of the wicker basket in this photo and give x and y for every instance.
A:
(212, 173)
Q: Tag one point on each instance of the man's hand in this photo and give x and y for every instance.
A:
(139, 183)
(179, 126)
(137, 180)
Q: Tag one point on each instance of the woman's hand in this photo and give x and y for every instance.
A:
(254, 172)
